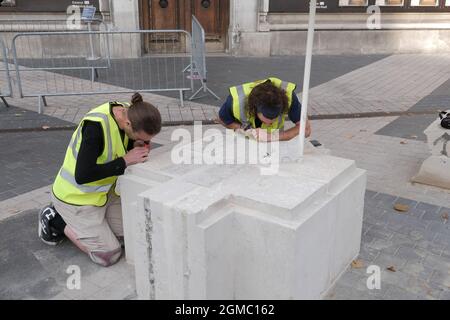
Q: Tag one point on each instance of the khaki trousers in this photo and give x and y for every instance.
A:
(97, 228)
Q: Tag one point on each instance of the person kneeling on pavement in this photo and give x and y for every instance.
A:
(85, 205)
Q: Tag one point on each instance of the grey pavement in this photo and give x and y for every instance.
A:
(223, 73)
(31, 156)
(415, 244)
(48, 148)
(29, 269)
(411, 126)
(31, 151)
(30, 160)
(226, 71)
(393, 84)
(390, 148)
(14, 119)
(342, 86)
(408, 126)
(439, 99)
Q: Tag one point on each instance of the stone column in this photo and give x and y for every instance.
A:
(263, 24)
(125, 17)
(246, 36)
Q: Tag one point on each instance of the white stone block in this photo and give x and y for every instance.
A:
(130, 186)
(228, 232)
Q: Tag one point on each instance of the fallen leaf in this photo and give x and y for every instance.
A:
(414, 137)
(401, 207)
(45, 127)
(391, 268)
(349, 136)
(357, 264)
(445, 216)
(403, 142)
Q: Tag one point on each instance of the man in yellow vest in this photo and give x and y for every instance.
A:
(85, 203)
(262, 107)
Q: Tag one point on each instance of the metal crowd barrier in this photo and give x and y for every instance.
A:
(5, 79)
(9, 28)
(61, 63)
(198, 66)
(19, 25)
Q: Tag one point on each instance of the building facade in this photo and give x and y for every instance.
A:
(269, 27)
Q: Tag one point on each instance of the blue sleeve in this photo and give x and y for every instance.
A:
(296, 107)
(226, 111)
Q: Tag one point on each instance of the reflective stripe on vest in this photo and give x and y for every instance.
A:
(66, 175)
(242, 98)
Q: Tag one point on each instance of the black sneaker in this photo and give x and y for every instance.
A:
(47, 233)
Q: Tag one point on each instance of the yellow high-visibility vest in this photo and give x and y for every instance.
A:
(65, 187)
(240, 100)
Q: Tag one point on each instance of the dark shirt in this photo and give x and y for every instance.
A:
(226, 111)
(92, 145)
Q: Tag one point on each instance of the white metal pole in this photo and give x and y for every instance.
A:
(307, 75)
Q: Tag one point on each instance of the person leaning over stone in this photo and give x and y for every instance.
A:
(261, 107)
(85, 205)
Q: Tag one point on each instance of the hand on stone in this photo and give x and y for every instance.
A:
(260, 134)
(136, 155)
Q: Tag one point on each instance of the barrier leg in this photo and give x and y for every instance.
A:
(5, 103)
(205, 89)
(194, 96)
(212, 93)
(40, 105)
(182, 98)
(41, 101)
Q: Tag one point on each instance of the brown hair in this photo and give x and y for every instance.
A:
(267, 94)
(144, 116)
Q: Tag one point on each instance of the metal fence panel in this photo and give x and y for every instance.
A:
(198, 48)
(198, 65)
(5, 79)
(63, 63)
(9, 28)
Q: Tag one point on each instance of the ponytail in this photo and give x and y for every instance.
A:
(144, 116)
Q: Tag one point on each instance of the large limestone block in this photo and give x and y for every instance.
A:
(230, 232)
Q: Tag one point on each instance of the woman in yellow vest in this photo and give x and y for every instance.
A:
(85, 203)
(262, 107)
